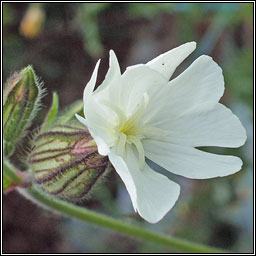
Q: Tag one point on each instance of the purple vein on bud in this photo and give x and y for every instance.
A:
(61, 169)
(60, 133)
(65, 162)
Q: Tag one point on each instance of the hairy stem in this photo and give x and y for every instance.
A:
(117, 225)
(10, 171)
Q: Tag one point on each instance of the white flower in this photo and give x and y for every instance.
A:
(140, 113)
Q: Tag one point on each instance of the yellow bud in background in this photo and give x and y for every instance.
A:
(33, 21)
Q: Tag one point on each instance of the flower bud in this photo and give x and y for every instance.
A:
(21, 96)
(32, 23)
(65, 162)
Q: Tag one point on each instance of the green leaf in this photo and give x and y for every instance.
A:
(69, 112)
(52, 113)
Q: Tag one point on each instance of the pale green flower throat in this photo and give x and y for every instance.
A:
(132, 130)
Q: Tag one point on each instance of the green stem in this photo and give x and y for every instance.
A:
(11, 172)
(117, 225)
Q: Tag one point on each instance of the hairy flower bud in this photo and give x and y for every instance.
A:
(21, 96)
(66, 163)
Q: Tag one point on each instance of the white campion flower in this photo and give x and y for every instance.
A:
(140, 113)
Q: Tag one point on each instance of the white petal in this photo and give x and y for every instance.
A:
(100, 119)
(205, 125)
(152, 194)
(201, 83)
(81, 119)
(166, 63)
(103, 147)
(156, 194)
(112, 74)
(110, 91)
(138, 80)
(90, 85)
(190, 162)
(123, 171)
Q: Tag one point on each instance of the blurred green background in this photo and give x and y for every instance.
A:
(62, 42)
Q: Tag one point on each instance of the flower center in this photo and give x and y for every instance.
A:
(131, 130)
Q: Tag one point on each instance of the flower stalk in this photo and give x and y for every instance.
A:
(86, 215)
(53, 203)
(11, 176)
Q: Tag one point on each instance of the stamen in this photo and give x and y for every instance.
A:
(132, 130)
(137, 142)
(121, 144)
